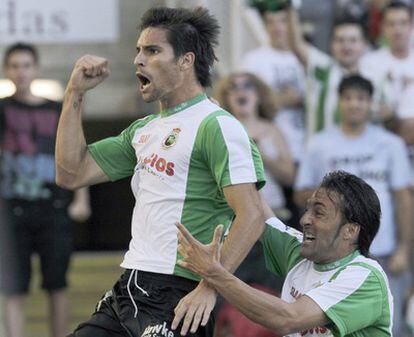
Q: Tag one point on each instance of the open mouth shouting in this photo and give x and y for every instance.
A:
(242, 101)
(308, 237)
(144, 80)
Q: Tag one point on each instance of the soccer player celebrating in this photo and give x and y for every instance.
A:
(192, 162)
(332, 287)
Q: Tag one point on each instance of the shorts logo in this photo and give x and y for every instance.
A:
(158, 330)
(171, 139)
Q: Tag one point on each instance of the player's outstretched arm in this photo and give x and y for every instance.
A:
(75, 167)
(265, 309)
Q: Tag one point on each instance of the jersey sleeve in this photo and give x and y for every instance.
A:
(116, 155)
(281, 246)
(230, 154)
(354, 299)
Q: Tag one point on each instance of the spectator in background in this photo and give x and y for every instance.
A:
(391, 69)
(324, 72)
(250, 100)
(282, 71)
(369, 13)
(36, 209)
(279, 67)
(374, 21)
(380, 158)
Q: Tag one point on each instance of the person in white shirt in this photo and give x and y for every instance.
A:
(324, 72)
(192, 159)
(279, 67)
(380, 158)
(394, 79)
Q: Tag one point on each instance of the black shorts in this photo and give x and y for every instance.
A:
(149, 313)
(34, 227)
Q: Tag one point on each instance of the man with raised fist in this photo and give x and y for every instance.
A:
(192, 162)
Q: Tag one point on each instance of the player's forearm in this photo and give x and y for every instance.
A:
(246, 229)
(262, 308)
(70, 141)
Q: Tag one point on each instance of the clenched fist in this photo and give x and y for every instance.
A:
(88, 72)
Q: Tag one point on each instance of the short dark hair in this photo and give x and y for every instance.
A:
(20, 47)
(189, 30)
(397, 4)
(347, 20)
(358, 204)
(356, 82)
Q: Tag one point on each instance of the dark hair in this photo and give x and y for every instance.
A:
(189, 30)
(397, 4)
(344, 21)
(356, 82)
(20, 47)
(358, 204)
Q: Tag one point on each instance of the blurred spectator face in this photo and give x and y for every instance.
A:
(276, 26)
(355, 105)
(242, 97)
(397, 26)
(21, 68)
(348, 44)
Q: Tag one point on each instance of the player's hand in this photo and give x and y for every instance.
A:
(79, 211)
(89, 71)
(199, 258)
(195, 308)
(399, 261)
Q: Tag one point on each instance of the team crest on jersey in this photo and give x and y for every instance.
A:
(171, 139)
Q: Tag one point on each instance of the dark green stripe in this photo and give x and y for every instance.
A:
(322, 75)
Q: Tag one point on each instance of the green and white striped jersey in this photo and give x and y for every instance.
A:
(353, 292)
(180, 160)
